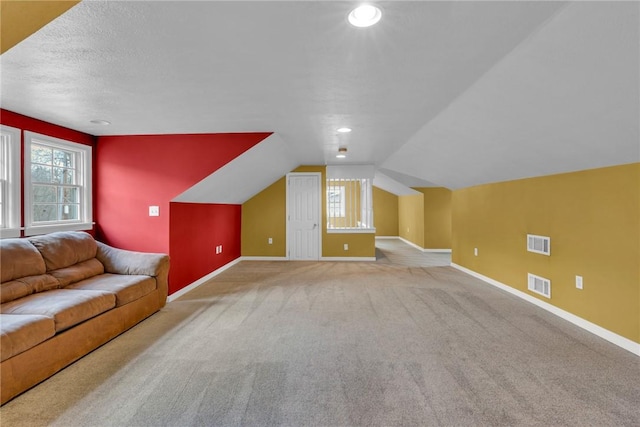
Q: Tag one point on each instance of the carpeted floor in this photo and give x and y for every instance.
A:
(343, 344)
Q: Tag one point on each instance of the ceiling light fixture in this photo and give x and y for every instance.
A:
(100, 122)
(365, 15)
(344, 130)
(342, 153)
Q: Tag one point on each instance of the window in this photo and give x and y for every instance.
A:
(57, 185)
(9, 182)
(349, 199)
(335, 201)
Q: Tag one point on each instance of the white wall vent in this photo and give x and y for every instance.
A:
(539, 244)
(540, 285)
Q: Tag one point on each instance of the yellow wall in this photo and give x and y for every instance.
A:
(593, 219)
(437, 217)
(360, 244)
(411, 218)
(264, 216)
(20, 19)
(385, 212)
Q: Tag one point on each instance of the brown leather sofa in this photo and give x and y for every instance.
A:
(65, 294)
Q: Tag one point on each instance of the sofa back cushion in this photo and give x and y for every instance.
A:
(65, 248)
(19, 258)
(28, 285)
(13, 289)
(75, 273)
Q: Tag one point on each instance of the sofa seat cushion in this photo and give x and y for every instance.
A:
(126, 288)
(80, 271)
(20, 332)
(66, 307)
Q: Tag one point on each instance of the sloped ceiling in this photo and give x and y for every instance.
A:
(565, 99)
(392, 186)
(226, 186)
(443, 93)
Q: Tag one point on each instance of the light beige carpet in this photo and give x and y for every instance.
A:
(341, 344)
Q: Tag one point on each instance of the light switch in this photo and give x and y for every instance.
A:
(154, 210)
(579, 282)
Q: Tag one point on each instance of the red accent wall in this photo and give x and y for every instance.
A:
(25, 123)
(131, 173)
(135, 172)
(196, 229)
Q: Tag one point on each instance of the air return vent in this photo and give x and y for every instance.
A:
(540, 285)
(539, 244)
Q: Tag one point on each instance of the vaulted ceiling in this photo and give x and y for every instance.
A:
(438, 93)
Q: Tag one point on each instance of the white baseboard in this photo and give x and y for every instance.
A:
(201, 280)
(343, 258)
(387, 237)
(410, 243)
(606, 334)
(420, 248)
(263, 258)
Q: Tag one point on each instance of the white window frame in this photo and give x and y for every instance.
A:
(365, 223)
(333, 206)
(84, 167)
(10, 180)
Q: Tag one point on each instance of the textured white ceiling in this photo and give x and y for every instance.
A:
(453, 93)
(565, 99)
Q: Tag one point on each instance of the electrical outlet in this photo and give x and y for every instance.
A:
(579, 282)
(270, 241)
(346, 246)
(475, 251)
(154, 210)
(220, 248)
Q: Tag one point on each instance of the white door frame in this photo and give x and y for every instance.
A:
(319, 175)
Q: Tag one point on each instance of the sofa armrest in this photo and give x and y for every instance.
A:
(120, 261)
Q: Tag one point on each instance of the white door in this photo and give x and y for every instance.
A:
(303, 225)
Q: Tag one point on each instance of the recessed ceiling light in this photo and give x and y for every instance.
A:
(342, 153)
(344, 130)
(101, 122)
(365, 15)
